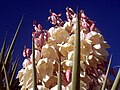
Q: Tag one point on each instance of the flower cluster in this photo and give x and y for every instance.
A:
(60, 38)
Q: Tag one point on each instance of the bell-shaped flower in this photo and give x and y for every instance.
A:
(26, 62)
(52, 42)
(65, 49)
(37, 56)
(51, 82)
(68, 27)
(60, 35)
(20, 74)
(71, 39)
(44, 67)
(67, 64)
(26, 77)
(49, 52)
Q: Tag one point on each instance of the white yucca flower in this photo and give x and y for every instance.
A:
(62, 38)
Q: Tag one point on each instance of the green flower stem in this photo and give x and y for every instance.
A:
(59, 75)
(76, 62)
(34, 67)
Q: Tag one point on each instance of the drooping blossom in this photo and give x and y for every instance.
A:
(26, 62)
(55, 19)
(61, 38)
(40, 35)
(26, 52)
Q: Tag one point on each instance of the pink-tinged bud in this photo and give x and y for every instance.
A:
(36, 28)
(64, 80)
(68, 75)
(33, 34)
(46, 35)
(49, 17)
(34, 23)
(37, 42)
(59, 15)
(41, 39)
(53, 20)
(26, 52)
(26, 62)
(84, 25)
(92, 28)
(54, 14)
(83, 15)
(39, 27)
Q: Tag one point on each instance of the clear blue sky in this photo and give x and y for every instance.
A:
(106, 14)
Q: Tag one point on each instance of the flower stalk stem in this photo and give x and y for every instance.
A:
(34, 68)
(59, 75)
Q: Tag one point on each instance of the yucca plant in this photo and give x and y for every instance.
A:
(8, 67)
(70, 55)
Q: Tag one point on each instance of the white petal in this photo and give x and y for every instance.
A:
(37, 56)
(97, 46)
(70, 55)
(69, 63)
(82, 74)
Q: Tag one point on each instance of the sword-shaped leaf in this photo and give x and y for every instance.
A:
(14, 71)
(6, 66)
(1, 61)
(107, 72)
(1, 83)
(13, 42)
(76, 62)
(117, 81)
(6, 78)
(12, 67)
(2, 51)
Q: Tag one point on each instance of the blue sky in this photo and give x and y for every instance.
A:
(105, 13)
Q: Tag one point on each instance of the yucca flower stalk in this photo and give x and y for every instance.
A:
(34, 67)
(59, 75)
(57, 67)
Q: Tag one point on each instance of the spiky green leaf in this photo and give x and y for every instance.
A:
(2, 51)
(107, 72)
(14, 71)
(13, 66)
(76, 62)
(13, 42)
(117, 81)
(6, 78)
